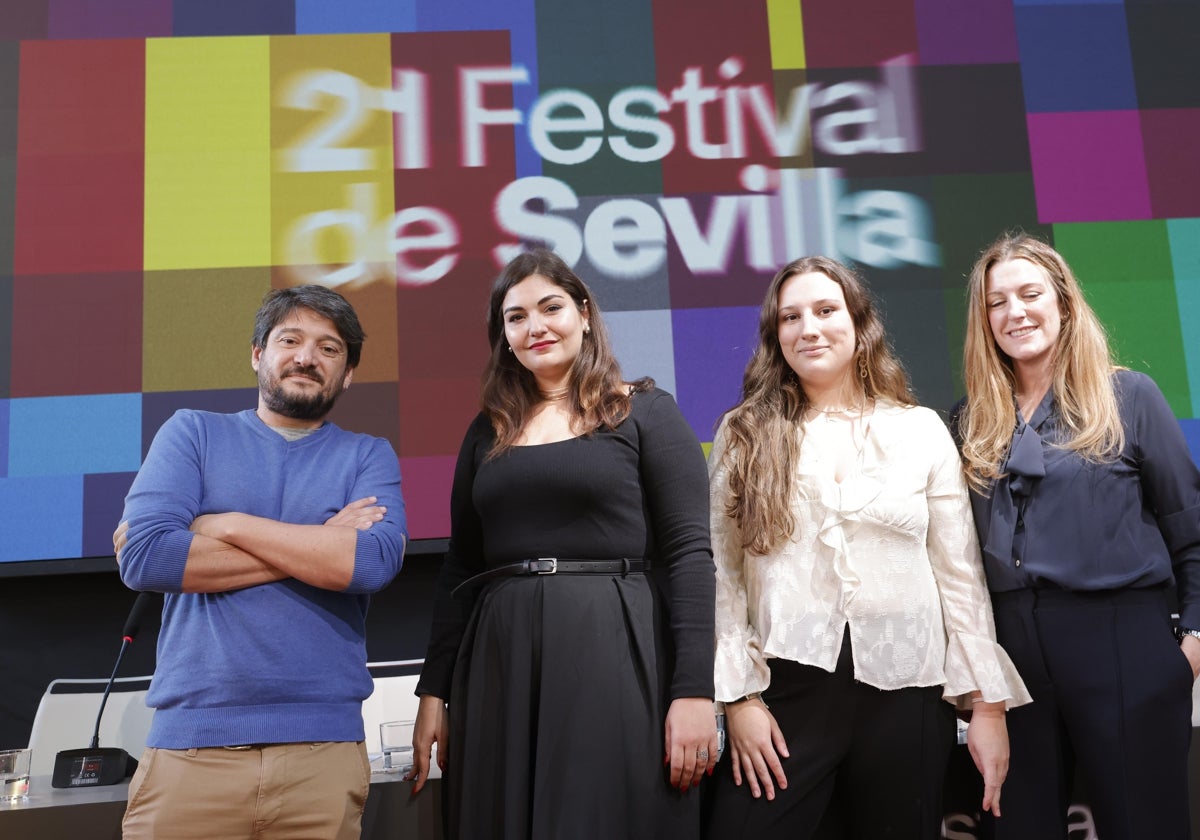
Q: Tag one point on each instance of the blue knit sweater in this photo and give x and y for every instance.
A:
(280, 662)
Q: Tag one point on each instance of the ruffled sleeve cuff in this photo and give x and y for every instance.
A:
(740, 668)
(976, 663)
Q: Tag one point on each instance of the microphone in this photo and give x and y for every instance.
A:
(98, 765)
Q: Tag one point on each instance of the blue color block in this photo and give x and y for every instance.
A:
(320, 17)
(1075, 58)
(40, 518)
(1068, 2)
(1191, 431)
(235, 17)
(643, 342)
(712, 347)
(84, 434)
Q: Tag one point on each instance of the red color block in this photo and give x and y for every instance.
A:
(77, 335)
(80, 157)
(685, 40)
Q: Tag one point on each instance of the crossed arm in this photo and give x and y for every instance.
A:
(235, 550)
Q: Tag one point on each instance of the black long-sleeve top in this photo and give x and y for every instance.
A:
(1058, 520)
(640, 490)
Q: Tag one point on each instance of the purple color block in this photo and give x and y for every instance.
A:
(110, 19)
(103, 502)
(1171, 137)
(3, 438)
(157, 408)
(712, 347)
(426, 483)
(1088, 166)
(978, 32)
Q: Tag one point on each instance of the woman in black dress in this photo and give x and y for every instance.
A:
(567, 696)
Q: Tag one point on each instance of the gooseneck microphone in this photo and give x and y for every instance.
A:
(98, 765)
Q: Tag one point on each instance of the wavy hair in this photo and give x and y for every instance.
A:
(1081, 378)
(598, 395)
(763, 451)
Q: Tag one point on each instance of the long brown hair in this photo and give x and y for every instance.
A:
(1082, 368)
(763, 450)
(598, 396)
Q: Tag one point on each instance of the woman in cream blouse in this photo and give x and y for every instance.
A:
(850, 597)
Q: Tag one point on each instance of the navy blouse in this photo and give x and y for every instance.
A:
(1056, 520)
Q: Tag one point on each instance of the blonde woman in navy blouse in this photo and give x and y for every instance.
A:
(1087, 503)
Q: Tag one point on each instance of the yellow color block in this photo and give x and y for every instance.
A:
(208, 153)
(331, 138)
(787, 34)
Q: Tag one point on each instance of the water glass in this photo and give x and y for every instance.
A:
(14, 774)
(396, 736)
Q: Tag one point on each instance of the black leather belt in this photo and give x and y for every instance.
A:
(556, 566)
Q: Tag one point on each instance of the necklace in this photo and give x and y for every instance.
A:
(555, 395)
(835, 413)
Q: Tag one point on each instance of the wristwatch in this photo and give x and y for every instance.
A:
(1180, 632)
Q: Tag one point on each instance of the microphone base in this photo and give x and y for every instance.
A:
(92, 767)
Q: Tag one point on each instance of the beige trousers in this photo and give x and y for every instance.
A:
(269, 792)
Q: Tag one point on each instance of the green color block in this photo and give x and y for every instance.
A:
(1126, 273)
(970, 212)
(1116, 251)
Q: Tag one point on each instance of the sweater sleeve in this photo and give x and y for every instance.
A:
(464, 558)
(1170, 484)
(162, 503)
(675, 484)
(379, 550)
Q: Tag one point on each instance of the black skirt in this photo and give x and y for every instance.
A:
(556, 714)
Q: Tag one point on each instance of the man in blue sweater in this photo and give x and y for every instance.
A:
(267, 530)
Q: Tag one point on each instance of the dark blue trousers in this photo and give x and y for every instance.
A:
(1112, 695)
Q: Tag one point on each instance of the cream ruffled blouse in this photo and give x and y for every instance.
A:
(890, 552)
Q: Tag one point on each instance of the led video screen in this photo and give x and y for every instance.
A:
(163, 163)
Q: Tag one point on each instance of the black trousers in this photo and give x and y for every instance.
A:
(864, 763)
(1112, 693)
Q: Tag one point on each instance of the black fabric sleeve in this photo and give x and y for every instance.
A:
(675, 482)
(1170, 483)
(464, 558)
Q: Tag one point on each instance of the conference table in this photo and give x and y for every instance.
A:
(49, 813)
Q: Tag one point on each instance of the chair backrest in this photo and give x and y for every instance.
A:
(66, 718)
(66, 715)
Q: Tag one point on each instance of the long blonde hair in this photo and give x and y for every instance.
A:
(763, 451)
(1082, 369)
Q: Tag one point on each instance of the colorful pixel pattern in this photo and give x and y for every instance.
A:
(163, 163)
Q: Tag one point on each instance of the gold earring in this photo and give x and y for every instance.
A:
(862, 367)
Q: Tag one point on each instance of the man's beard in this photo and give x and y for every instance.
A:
(300, 406)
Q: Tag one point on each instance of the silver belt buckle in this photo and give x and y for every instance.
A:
(553, 561)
